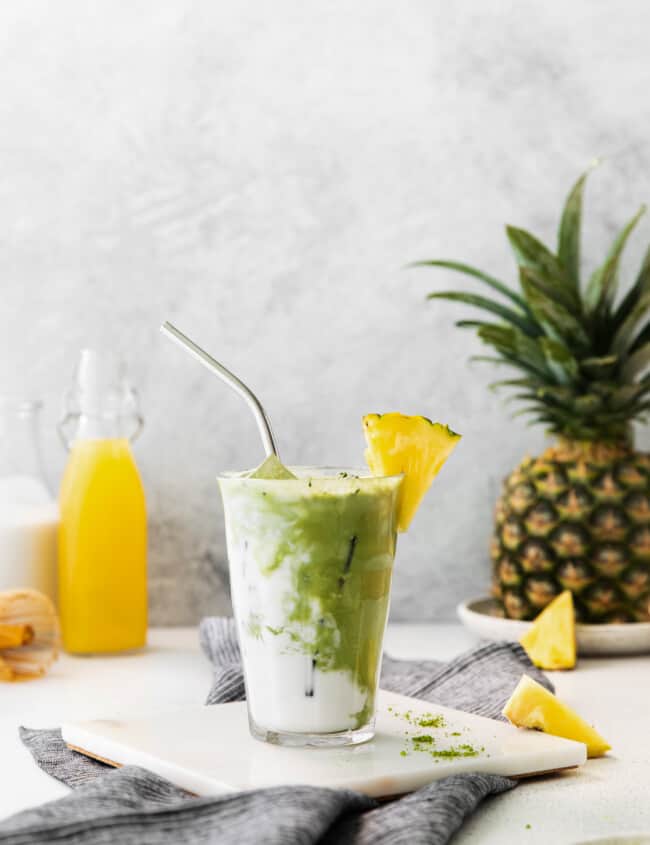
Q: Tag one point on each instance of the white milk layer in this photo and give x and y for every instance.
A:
(285, 692)
(29, 522)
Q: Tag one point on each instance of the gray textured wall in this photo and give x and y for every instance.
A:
(259, 173)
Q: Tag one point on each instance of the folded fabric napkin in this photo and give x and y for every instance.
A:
(132, 806)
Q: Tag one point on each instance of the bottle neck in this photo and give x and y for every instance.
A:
(20, 447)
(99, 427)
(100, 405)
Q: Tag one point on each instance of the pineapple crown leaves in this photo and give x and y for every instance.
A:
(583, 357)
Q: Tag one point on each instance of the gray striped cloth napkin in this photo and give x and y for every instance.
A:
(132, 806)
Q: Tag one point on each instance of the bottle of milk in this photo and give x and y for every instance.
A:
(28, 512)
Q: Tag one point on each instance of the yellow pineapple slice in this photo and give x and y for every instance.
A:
(414, 446)
(532, 706)
(550, 642)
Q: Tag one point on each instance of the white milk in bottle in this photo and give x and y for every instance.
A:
(28, 531)
(28, 512)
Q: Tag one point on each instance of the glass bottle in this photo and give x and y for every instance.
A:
(28, 512)
(103, 531)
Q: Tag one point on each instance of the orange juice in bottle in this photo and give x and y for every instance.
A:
(103, 527)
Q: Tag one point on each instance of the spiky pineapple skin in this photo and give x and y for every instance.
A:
(577, 517)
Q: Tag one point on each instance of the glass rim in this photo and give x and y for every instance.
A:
(332, 474)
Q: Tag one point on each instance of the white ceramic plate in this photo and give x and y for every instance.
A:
(479, 616)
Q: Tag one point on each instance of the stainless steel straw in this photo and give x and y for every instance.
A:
(263, 424)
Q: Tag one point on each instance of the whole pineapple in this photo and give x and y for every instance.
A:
(578, 516)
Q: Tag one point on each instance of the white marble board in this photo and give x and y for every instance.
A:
(208, 750)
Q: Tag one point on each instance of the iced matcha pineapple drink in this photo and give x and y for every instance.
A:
(311, 558)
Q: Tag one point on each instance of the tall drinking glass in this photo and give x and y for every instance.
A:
(311, 561)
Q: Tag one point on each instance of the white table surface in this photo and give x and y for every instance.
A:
(606, 797)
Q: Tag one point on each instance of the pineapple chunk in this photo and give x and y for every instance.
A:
(414, 446)
(532, 706)
(550, 642)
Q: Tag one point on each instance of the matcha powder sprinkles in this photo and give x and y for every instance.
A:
(425, 742)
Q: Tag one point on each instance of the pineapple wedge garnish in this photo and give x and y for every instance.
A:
(414, 446)
(550, 642)
(532, 706)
